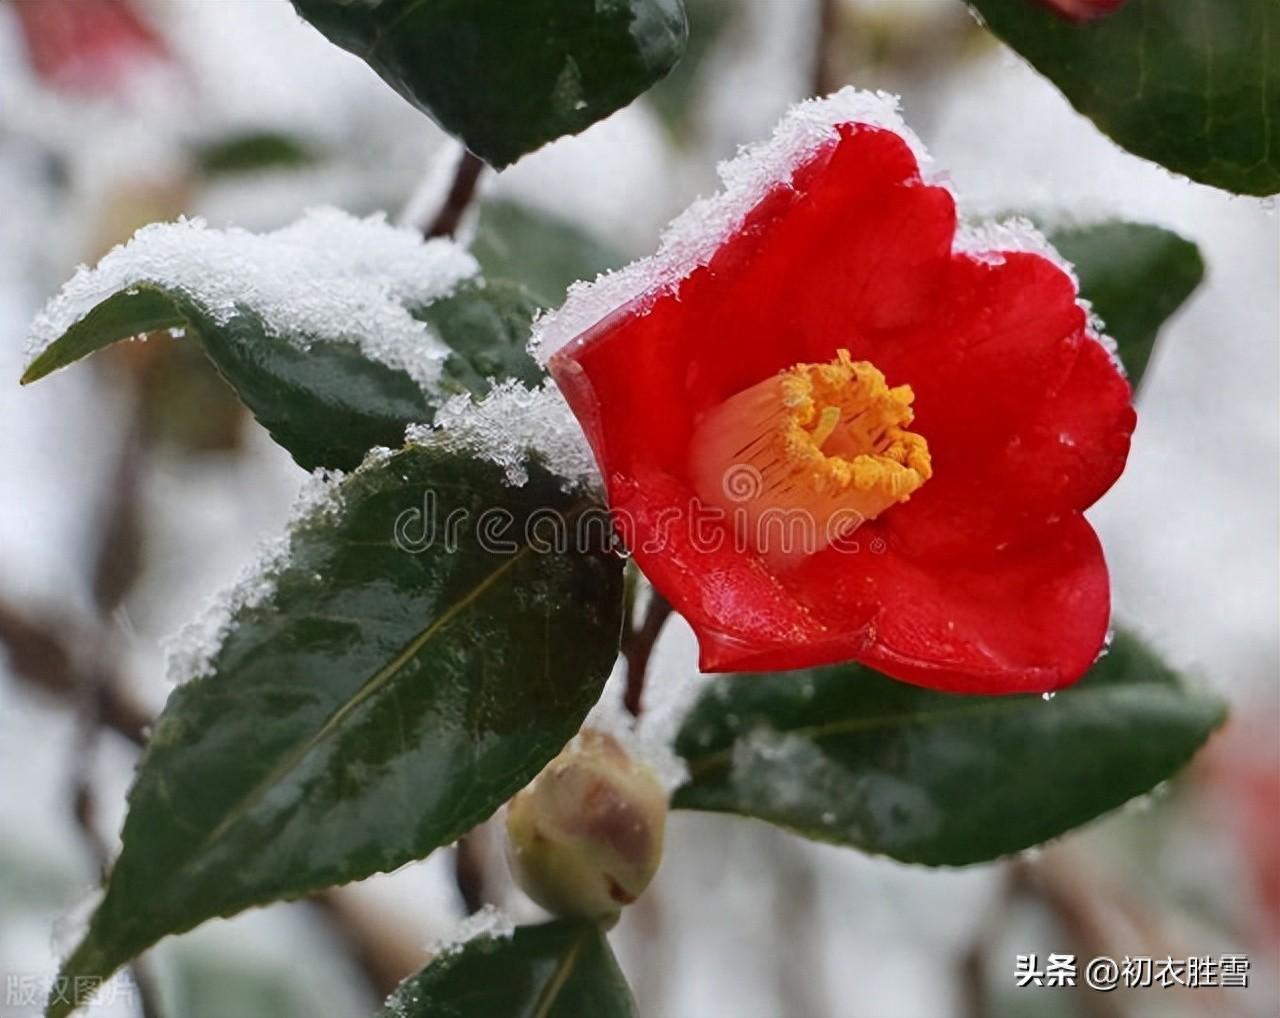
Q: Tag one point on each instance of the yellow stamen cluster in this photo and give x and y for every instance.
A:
(808, 455)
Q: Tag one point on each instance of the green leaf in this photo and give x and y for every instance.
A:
(508, 76)
(1136, 277)
(848, 756)
(562, 969)
(1188, 83)
(487, 325)
(251, 151)
(543, 252)
(325, 401)
(392, 689)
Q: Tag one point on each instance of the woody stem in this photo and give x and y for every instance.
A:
(637, 648)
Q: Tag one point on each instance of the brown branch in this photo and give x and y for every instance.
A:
(458, 200)
(637, 648)
(471, 870)
(39, 652)
(828, 29)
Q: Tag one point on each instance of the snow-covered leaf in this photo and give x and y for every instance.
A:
(330, 330)
(1187, 83)
(1135, 276)
(508, 76)
(562, 969)
(847, 756)
(413, 654)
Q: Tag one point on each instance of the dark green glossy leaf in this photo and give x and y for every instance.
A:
(325, 401)
(508, 76)
(562, 969)
(487, 325)
(543, 252)
(848, 756)
(1190, 84)
(378, 703)
(252, 151)
(1136, 276)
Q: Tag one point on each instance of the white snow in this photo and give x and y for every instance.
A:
(190, 652)
(988, 241)
(327, 277)
(508, 425)
(490, 923)
(693, 238)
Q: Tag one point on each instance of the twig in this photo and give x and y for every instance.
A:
(470, 869)
(637, 648)
(458, 200)
(824, 78)
(39, 652)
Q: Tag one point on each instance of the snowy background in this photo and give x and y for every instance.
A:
(743, 921)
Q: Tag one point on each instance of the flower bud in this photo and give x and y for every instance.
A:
(585, 837)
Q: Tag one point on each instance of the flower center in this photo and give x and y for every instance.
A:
(804, 458)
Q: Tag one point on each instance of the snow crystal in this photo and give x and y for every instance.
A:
(693, 238)
(329, 276)
(508, 425)
(490, 922)
(190, 652)
(988, 241)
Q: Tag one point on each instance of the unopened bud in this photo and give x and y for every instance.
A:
(585, 837)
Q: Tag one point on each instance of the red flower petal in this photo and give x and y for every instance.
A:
(1029, 618)
(988, 580)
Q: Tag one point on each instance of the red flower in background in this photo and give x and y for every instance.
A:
(87, 46)
(940, 418)
(1084, 10)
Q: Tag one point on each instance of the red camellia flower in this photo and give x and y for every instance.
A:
(1084, 10)
(88, 46)
(830, 429)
